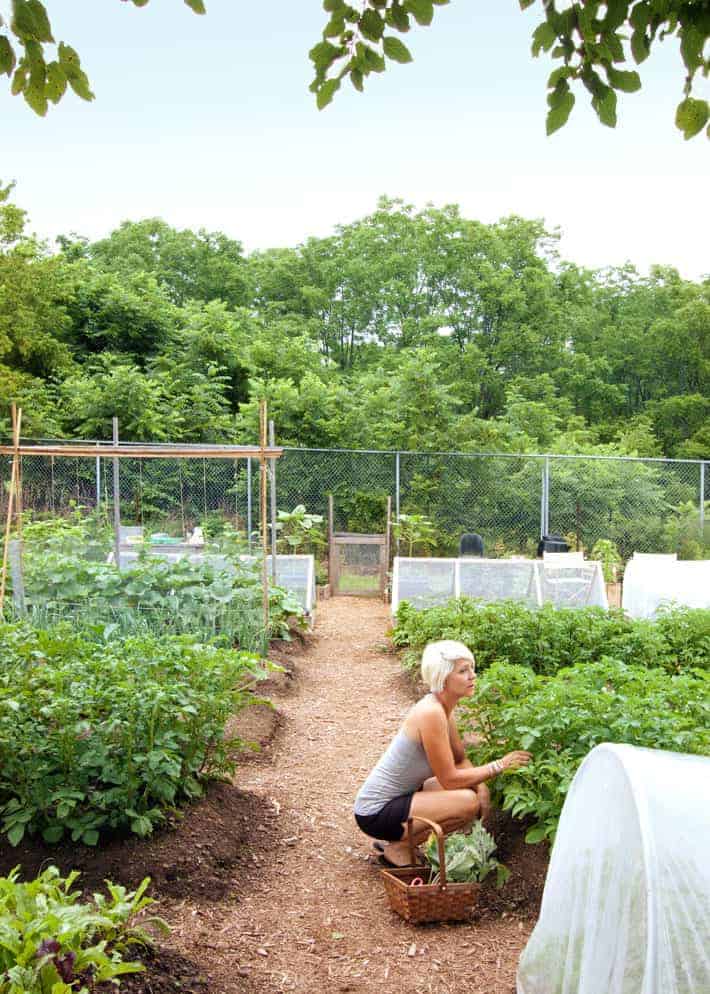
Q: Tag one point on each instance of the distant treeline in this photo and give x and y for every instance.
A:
(406, 329)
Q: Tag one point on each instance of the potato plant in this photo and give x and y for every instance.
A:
(560, 718)
(548, 639)
(98, 735)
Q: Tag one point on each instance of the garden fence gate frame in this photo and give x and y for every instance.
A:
(25, 454)
(511, 499)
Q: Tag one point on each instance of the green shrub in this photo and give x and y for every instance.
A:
(560, 718)
(53, 942)
(549, 638)
(98, 735)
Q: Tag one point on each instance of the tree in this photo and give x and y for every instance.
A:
(24, 59)
(590, 39)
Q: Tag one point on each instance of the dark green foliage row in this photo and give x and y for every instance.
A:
(549, 639)
(560, 718)
(102, 735)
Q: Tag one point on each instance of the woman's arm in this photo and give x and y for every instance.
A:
(457, 746)
(436, 740)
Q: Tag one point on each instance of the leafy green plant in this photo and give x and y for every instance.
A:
(606, 552)
(51, 941)
(469, 856)
(560, 718)
(413, 530)
(549, 638)
(98, 735)
(300, 532)
(206, 600)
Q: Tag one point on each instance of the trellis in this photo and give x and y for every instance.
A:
(266, 455)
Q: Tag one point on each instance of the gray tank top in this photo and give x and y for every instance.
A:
(401, 770)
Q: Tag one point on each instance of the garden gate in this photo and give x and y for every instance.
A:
(358, 564)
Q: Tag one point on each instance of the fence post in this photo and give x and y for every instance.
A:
(547, 495)
(98, 480)
(116, 502)
(396, 494)
(702, 501)
(249, 502)
(272, 467)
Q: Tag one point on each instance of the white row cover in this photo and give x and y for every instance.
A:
(427, 582)
(652, 581)
(294, 573)
(626, 904)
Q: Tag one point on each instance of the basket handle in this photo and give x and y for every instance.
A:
(439, 841)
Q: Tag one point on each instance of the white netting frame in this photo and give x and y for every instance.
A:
(654, 582)
(569, 584)
(627, 895)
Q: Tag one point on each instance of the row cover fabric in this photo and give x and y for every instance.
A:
(650, 582)
(426, 582)
(626, 904)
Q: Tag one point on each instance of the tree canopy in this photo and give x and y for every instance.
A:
(596, 43)
(412, 329)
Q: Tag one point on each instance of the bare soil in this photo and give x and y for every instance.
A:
(268, 884)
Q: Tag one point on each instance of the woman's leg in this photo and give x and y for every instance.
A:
(454, 810)
(482, 793)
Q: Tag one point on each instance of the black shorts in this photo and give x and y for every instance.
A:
(387, 822)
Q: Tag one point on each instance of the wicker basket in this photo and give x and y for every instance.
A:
(425, 902)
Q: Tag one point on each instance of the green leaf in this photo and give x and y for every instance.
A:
(423, 10)
(543, 38)
(628, 82)
(197, 5)
(640, 46)
(56, 82)
(326, 92)
(692, 42)
(371, 25)
(397, 17)
(80, 85)
(324, 54)
(692, 116)
(535, 834)
(396, 50)
(558, 115)
(30, 20)
(90, 838)
(14, 836)
(36, 98)
(605, 106)
(53, 833)
(7, 56)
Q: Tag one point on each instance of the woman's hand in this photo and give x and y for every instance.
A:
(514, 760)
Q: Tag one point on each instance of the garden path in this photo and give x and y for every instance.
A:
(319, 921)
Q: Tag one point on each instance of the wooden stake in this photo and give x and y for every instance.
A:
(264, 521)
(14, 478)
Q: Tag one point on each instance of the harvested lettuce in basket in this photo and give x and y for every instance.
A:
(469, 858)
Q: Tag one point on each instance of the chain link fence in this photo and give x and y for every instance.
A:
(647, 505)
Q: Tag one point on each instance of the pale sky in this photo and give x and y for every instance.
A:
(208, 122)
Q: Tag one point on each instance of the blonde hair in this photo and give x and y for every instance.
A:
(438, 661)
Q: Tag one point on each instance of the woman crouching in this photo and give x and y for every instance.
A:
(425, 770)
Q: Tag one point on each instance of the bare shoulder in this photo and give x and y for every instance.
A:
(427, 713)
